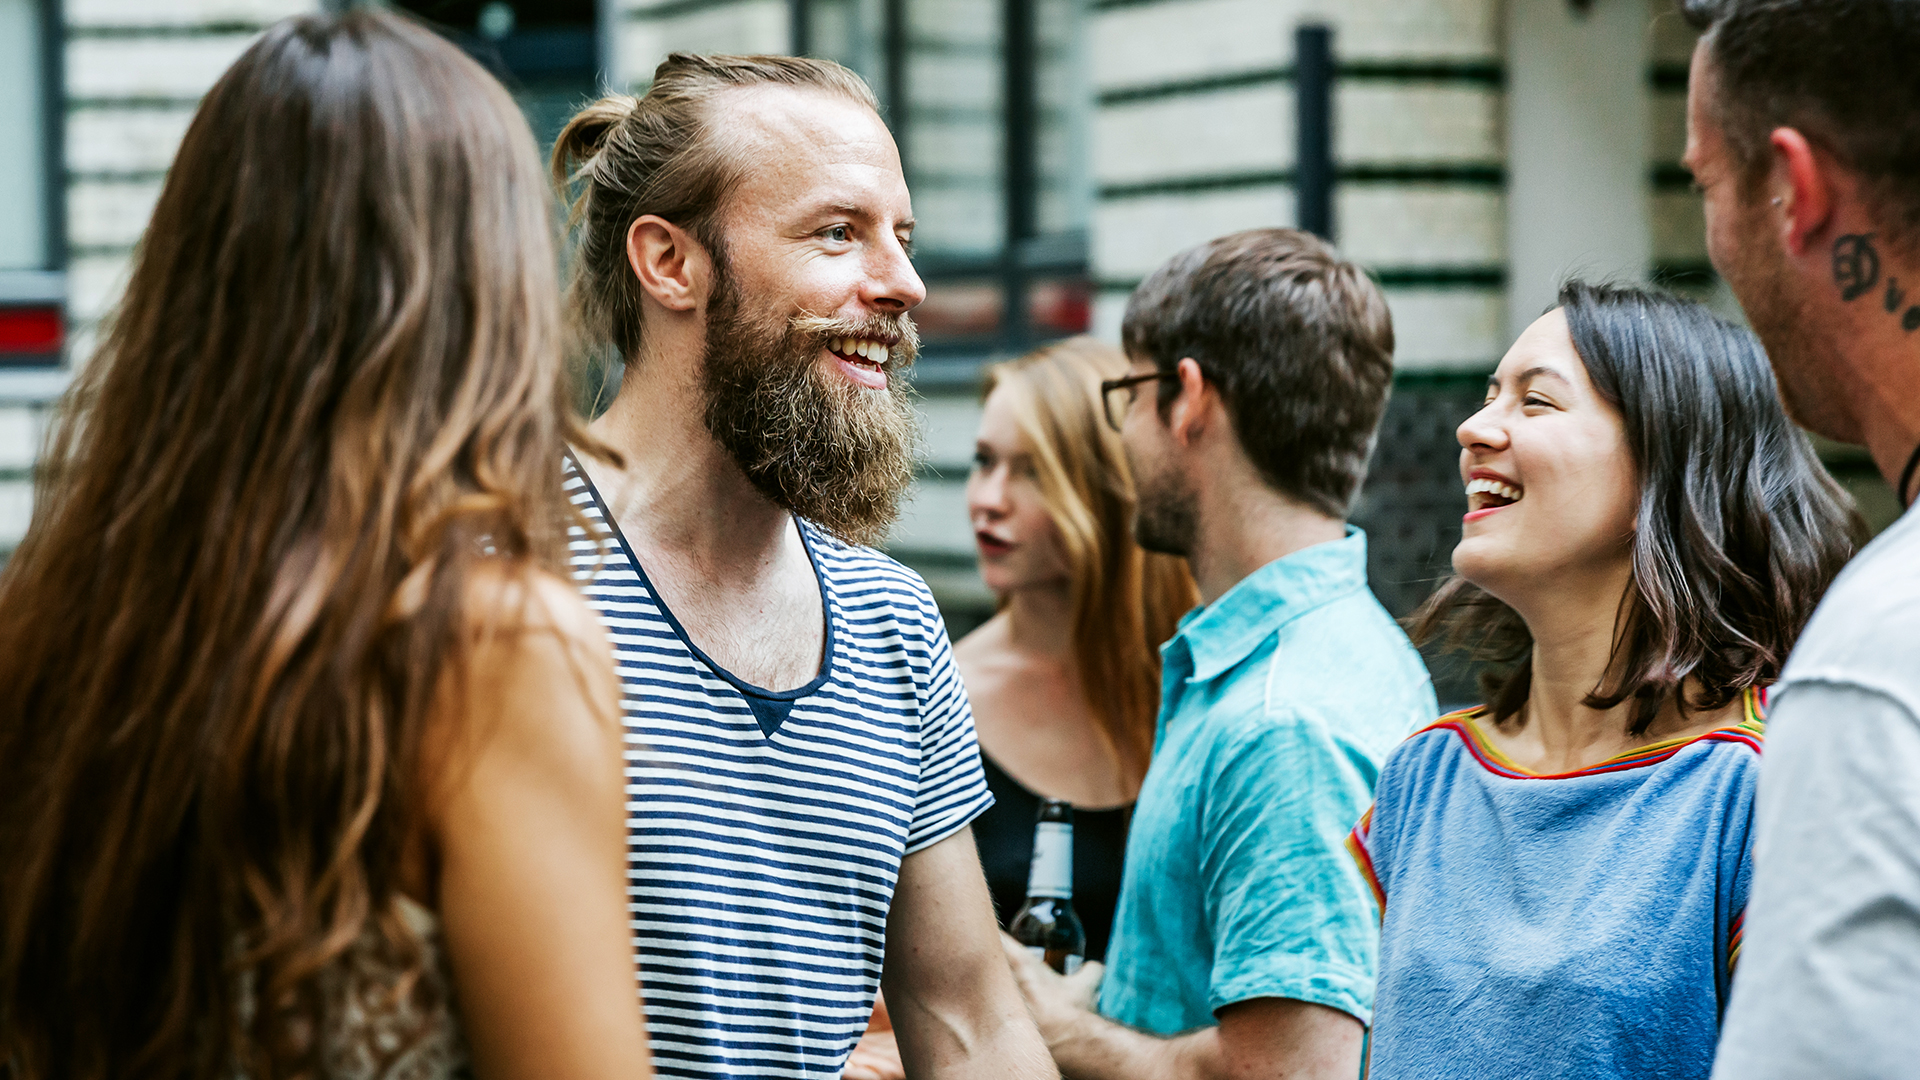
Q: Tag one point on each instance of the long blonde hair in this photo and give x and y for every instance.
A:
(1126, 601)
(331, 394)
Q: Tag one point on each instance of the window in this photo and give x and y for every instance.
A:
(32, 325)
(991, 105)
(546, 51)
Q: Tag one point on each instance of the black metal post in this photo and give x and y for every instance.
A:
(1313, 129)
(799, 27)
(1022, 152)
(53, 113)
(894, 43)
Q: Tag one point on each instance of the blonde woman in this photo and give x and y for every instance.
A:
(1064, 679)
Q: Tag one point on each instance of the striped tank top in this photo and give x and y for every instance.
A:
(766, 828)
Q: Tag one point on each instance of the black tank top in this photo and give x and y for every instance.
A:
(1004, 834)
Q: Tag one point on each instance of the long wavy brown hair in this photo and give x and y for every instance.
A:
(332, 391)
(1127, 601)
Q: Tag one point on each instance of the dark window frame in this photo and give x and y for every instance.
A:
(37, 294)
(1026, 256)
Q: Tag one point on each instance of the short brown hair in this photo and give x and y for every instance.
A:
(1299, 342)
(1845, 73)
(661, 154)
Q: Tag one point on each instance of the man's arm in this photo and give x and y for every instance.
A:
(1261, 1039)
(1829, 968)
(953, 1002)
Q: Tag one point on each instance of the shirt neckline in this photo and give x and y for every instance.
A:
(680, 631)
(1750, 729)
(1221, 634)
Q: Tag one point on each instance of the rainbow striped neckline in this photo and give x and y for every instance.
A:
(1750, 731)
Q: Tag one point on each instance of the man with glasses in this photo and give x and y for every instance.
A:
(1246, 938)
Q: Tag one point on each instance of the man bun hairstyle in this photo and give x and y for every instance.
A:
(1844, 73)
(1298, 341)
(622, 158)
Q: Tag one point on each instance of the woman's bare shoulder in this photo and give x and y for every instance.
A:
(539, 667)
(502, 597)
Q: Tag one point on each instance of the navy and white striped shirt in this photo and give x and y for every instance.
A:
(765, 830)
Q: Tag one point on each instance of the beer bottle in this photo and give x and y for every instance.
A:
(1047, 924)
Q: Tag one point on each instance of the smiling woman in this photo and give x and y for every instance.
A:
(1646, 535)
(1634, 432)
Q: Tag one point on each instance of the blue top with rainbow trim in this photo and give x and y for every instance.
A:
(1580, 924)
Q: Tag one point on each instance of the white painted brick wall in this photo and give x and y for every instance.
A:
(934, 519)
(1185, 39)
(1447, 329)
(958, 219)
(125, 140)
(1403, 122)
(1233, 131)
(19, 437)
(161, 66)
(109, 213)
(93, 287)
(949, 423)
(20, 431)
(1250, 129)
(1666, 126)
(168, 13)
(16, 511)
(1420, 224)
(1133, 236)
(750, 26)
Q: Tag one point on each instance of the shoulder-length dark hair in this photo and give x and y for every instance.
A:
(332, 391)
(1739, 528)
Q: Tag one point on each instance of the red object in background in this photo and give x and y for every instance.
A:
(960, 309)
(30, 330)
(1062, 306)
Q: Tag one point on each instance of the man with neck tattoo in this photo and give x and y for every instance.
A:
(1803, 121)
(801, 764)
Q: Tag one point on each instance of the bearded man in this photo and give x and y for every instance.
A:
(802, 766)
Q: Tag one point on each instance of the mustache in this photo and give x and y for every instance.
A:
(901, 337)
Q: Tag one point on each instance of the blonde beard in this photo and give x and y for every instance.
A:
(835, 454)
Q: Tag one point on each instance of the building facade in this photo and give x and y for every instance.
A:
(1471, 153)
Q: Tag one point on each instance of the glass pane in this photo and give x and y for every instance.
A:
(954, 132)
(1063, 115)
(23, 175)
(853, 33)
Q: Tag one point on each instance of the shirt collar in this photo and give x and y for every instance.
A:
(1221, 634)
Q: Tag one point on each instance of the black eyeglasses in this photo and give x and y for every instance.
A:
(1116, 417)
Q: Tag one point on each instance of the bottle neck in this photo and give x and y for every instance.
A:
(1051, 873)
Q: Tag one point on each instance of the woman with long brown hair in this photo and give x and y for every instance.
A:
(309, 758)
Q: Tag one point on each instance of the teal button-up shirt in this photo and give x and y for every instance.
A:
(1279, 702)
